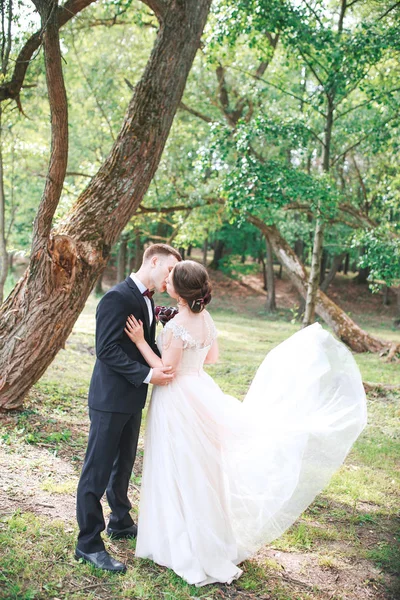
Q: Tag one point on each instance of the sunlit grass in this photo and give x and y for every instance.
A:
(362, 494)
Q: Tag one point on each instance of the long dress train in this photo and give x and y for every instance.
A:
(223, 477)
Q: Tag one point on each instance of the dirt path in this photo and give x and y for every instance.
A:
(34, 480)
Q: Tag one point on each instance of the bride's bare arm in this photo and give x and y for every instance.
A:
(213, 354)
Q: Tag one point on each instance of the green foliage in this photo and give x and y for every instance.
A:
(381, 254)
(386, 555)
(268, 162)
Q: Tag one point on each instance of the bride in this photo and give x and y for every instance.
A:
(222, 477)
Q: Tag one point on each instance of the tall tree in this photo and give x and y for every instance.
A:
(65, 262)
(6, 25)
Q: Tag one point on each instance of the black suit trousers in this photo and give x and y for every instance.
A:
(108, 464)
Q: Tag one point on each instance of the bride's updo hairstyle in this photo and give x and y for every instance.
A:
(190, 280)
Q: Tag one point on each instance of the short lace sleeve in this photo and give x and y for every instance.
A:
(177, 336)
(201, 335)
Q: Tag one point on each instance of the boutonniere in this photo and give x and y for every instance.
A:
(165, 313)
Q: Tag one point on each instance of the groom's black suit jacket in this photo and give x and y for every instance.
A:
(118, 375)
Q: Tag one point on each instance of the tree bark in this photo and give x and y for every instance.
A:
(271, 300)
(3, 244)
(362, 275)
(98, 290)
(397, 292)
(139, 251)
(264, 272)
(59, 124)
(205, 249)
(341, 324)
(313, 280)
(324, 262)
(386, 300)
(218, 252)
(337, 261)
(39, 314)
(346, 264)
(299, 248)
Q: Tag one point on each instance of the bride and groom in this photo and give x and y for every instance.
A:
(220, 477)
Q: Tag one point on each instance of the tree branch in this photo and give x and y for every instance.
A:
(280, 89)
(11, 89)
(223, 94)
(362, 138)
(59, 124)
(343, 8)
(361, 217)
(395, 5)
(77, 174)
(311, 67)
(314, 12)
(196, 113)
(365, 103)
(262, 67)
(178, 208)
(360, 179)
(159, 8)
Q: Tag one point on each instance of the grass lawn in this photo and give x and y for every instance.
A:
(345, 546)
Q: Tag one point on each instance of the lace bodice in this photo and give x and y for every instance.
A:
(195, 343)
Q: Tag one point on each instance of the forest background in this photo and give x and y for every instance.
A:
(278, 168)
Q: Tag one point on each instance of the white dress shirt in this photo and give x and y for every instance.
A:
(142, 288)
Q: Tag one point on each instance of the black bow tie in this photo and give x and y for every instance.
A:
(148, 293)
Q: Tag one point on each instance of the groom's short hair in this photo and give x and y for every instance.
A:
(160, 249)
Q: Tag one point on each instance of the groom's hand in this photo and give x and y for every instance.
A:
(162, 376)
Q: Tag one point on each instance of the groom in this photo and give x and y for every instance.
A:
(117, 394)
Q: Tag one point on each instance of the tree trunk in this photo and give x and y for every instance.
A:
(324, 262)
(271, 301)
(139, 251)
(122, 254)
(397, 292)
(313, 281)
(218, 252)
(264, 272)
(39, 314)
(299, 248)
(3, 245)
(345, 329)
(362, 275)
(337, 261)
(386, 300)
(205, 249)
(346, 264)
(98, 290)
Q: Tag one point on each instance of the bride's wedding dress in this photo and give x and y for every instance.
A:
(222, 477)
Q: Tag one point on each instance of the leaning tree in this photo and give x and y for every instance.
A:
(66, 261)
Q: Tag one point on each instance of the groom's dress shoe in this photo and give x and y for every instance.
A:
(119, 534)
(101, 560)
